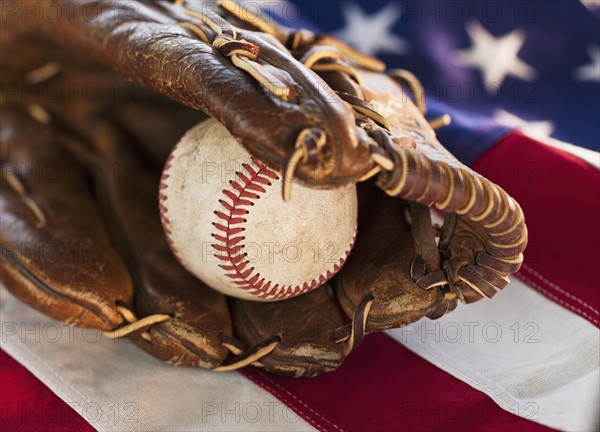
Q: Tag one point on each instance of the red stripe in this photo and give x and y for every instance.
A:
(383, 386)
(28, 405)
(559, 195)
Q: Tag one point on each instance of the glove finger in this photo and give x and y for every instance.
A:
(55, 248)
(198, 316)
(475, 272)
(303, 328)
(484, 233)
(201, 60)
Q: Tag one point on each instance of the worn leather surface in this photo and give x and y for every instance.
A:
(58, 255)
(153, 75)
(143, 42)
(388, 247)
(304, 324)
(380, 265)
(117, 158)
(127, 191)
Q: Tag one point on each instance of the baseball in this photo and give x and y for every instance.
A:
(226, 221)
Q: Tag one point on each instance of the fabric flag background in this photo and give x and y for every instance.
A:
(533, 65)
(527, 360)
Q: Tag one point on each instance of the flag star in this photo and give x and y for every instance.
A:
(537, 129)
(495, 57)
(373, 33)
(590, 71)
(591, 4)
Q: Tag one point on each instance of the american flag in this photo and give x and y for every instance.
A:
(521, 81)
(533, 65)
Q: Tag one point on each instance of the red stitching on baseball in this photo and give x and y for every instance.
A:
(244, 191)
(235, 202)
(162, 197)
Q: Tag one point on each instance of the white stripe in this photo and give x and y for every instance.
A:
(115, 386)
(591, 157)
(531, 356)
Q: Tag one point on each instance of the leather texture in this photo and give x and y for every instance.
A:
(304, 349)
(56, 251)
(380, 265)
(130, 39)
(127, 191)
(304, 104)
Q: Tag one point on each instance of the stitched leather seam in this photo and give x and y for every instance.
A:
(162, 197)
(236, 203)
(22, 270)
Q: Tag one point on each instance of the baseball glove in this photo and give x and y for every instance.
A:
(81, 234)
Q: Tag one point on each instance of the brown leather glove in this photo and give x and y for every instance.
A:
(339, 120)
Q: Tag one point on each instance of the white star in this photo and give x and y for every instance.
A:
(373, 33)
(494, 57)
(591, 4)
(590, 71)
(537, 129)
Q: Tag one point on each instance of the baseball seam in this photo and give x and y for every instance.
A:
(162, 197)
(236, 203)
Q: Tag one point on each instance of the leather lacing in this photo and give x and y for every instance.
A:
(21, 191)
(133, 325)
(501, 218)
(244, 357)
(401, 173)
(398, 171)
(244, 55)
(319, 53)
(241, 358)
(351, 335)
(39, 114)
(310, 141)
